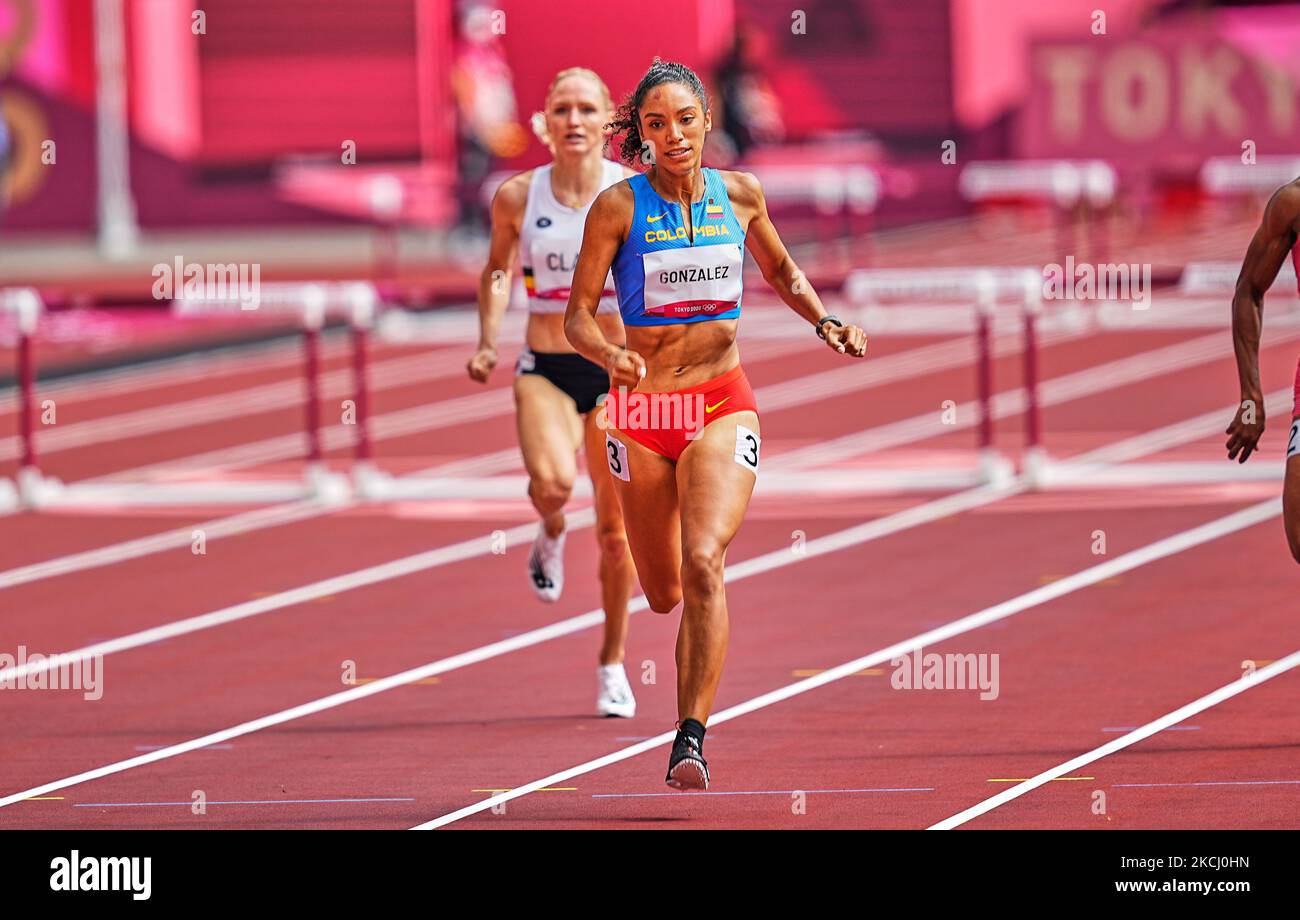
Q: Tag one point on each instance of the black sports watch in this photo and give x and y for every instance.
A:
(821, 324)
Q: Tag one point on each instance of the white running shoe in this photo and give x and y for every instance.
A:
(546, 566)
(615, 698)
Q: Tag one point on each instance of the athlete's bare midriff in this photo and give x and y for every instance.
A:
(545, 333)
(684, 354)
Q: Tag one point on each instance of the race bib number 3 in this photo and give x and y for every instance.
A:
(747, 444)
(616, 454)
(693, 280)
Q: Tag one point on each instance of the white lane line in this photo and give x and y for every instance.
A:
(1228, 782)
(397, 568)
(1160, 549)
(156, 543)
(1144, 444)
(244, 522)
(1227, 691)
(679, 797)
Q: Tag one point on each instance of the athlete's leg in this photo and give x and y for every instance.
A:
(715, 488)
(648, 497)
(616, 571)
(550, 431)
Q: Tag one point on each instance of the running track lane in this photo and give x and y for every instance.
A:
(1069, 669)
(395, 740)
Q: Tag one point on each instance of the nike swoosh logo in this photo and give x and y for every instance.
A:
(715, 405)
(651, 220)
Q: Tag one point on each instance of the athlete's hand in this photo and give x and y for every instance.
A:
(849, 340)
(1246, 428)
(480, 366)
(626, 368)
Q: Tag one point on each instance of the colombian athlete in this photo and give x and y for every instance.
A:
(539, 215)
(1275, 237)
(683, 434)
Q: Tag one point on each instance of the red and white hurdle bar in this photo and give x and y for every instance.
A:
(979, 290)
(1081, 193)
(24, 304)
(983, 289)
(1223, 177)
(311, 305)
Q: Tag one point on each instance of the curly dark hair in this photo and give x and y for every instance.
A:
(626, 118)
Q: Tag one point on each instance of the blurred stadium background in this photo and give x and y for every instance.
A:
(324, 140)
(229, 144)
(924, 159)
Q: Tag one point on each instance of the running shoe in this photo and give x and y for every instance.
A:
(615, 695)
(686, 767)
(546, 566)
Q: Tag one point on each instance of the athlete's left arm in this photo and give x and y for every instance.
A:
(779, 270)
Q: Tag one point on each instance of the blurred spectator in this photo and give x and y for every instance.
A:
(751, 112)
(487, 124)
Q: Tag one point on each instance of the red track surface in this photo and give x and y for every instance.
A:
(1119, 653)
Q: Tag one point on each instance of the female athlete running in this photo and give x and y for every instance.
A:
(683, 442)
(539, 214)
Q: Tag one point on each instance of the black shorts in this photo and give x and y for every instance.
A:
(583, 381)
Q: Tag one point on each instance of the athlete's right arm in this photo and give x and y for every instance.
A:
(1268, 249)
(494, 283)
(608, 223)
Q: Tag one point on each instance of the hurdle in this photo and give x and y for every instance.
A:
(1082, 188)
(847, 193)
(310, 305)
(30, 487)
(974, 295)
(1228, 176)
(1207, 278)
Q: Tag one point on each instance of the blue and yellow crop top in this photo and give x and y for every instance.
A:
(662, 276)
